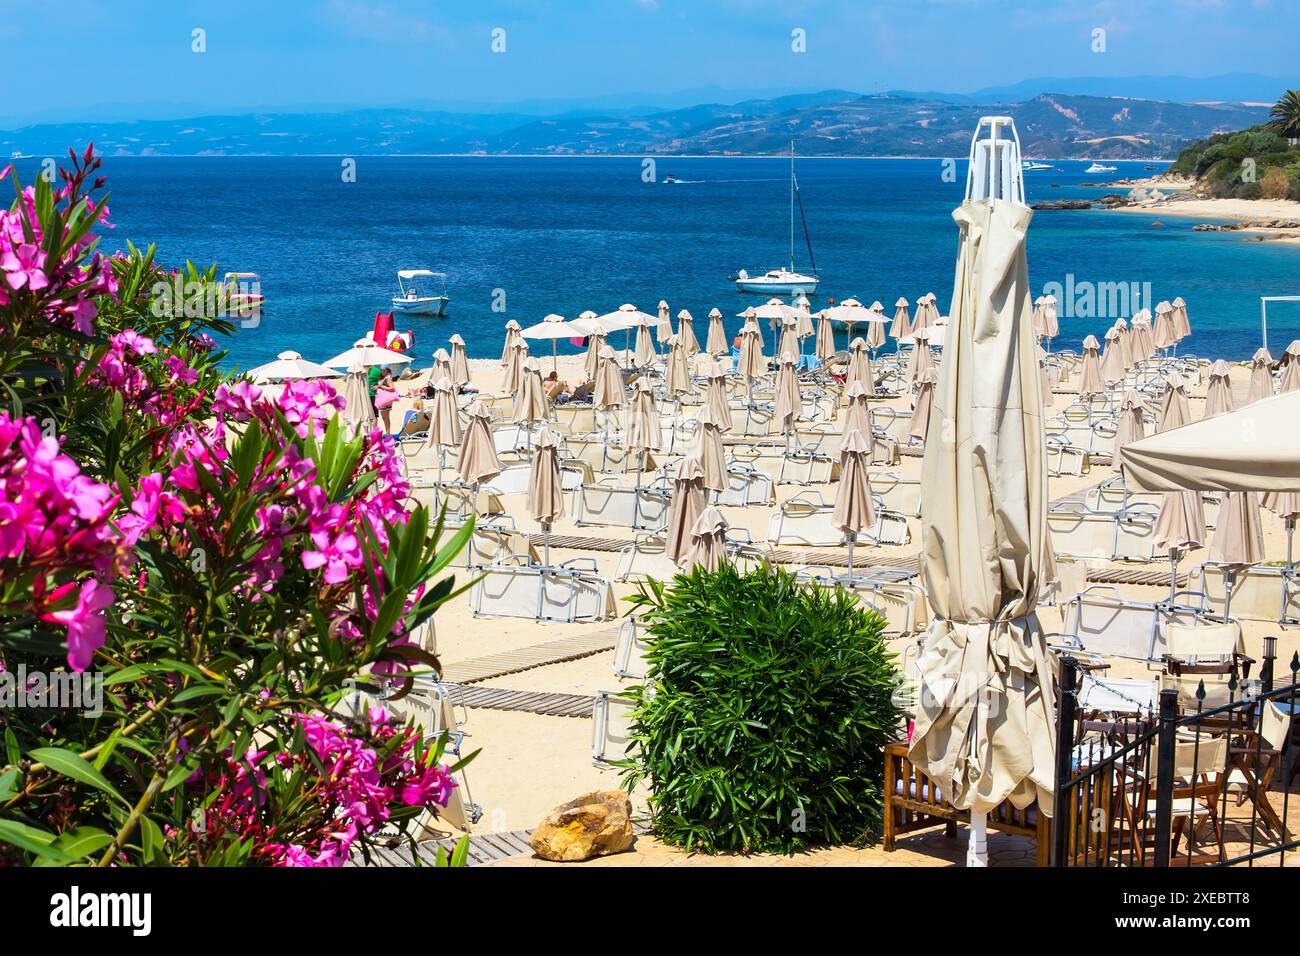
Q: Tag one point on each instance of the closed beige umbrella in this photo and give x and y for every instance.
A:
(444, 420)
(803, 326)
(985, 721)
(686, 334)
(921, 359)
(1090, 382)
(664, 323)
(860, 366)
(1129, 426)
(902, 325)
(441, 366)
(1049, 316)
(677, 376)
(1182, 324)
(459, 362)
(787, 394)
(857, 412)
(715, 396)
(477, 460)
(1180, 526)
(645, 347)
(1038, 319)
(1143, 348)
(358, 409)
(752, 362)
(642, 433)
(1046, 386)
(608, 393)
(1218, 394)
(924, 402)
(545, 489)
(1238, 540)
(1125, 344)
(709, 450)
(1290, 368)
(513, 379)
(530, 400)
(684, 509)
(591, 362)
(512, 337)
(708, 540)
(1261, 377)
(854, 511)
(1286, 505)
(1175, 409)
(825, 339)
(789, 341)
(1112, 360)
(1165, 336)
(716, 344)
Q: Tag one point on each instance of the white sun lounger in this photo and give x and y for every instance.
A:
(460, 499)
(745, 486)
(899, 494)
(574, 419)
(1126, 534)
(1117, 696)
(645, 558)
(629, 650)
(1101, 623)
(891, 423)
(1260, 593)
(608, 503)
(570, 592)
(1064, 459)
(806, 520)
(610, 727)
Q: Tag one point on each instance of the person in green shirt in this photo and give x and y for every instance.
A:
(372, 379)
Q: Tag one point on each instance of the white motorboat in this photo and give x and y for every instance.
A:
(1099, 168)
(242, 293)
(1030, 165)
(423, 292)
(785, 281)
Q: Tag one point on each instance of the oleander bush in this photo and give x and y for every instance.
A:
(762, 723)
(224, 562)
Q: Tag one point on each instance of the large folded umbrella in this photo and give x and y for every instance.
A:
(290, 366)
(642, 433)
(715, 396)
(441, 365)
(922, 405)
(789, 341)
(444, 420)
(664, 323)
(985, 722)
(1238, 537)
(545, 490)
(459, 362)
(921, 359)
(825, 347)
(1165, 335)
(1129, 426)
(1250, 449)
(608, 393)
(923, 312)
(708, 540)
(716, 344)
(1286, 505)
(530, 400)
(513, 379)
(591, 363)
(1218, 394)
(709, 450)
(366, 353)
(1125, 344)
(1175, 409)
(1090, 375)
(358, 409)
(553, 327)
(854, 511)
(1143, 348)
(645, 346)
(477, 461)
(684, 509)
(1182, 324)
(686, 334)
(902, 325)
(787, 394)
(877, 321)
(677, 376)
(1038, 319)
(803, 326)
(1261, 376)
(1112, 360)
(1049, 316)
(860, 366)
(512, 336)
(1180, 526)
(752, 363)
(857, 411)
(1290, 368)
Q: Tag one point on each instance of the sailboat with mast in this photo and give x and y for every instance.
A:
(785, 281)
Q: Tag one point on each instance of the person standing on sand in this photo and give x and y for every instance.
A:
(383, 393)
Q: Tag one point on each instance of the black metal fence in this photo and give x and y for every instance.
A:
(1156, 788)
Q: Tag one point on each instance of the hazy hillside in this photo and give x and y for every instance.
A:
(829, 123)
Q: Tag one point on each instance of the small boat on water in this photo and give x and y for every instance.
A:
(1099, 168)
(1030, 165)
(785, 281)
(415, 297)
(671, 179)
(241, 293)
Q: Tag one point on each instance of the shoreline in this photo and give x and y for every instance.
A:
(1239, 215)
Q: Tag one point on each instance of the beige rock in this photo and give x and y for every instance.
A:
(595, 824)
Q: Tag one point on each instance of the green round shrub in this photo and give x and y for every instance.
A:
(762, 724)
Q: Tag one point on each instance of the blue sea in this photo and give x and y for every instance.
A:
(542, 235)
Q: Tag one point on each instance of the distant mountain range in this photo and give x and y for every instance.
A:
(823, 123)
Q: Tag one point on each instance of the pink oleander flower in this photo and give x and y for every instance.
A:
(24, 265)
(85, 623)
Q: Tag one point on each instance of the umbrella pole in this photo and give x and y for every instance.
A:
(546, 543)
(1173, 574)
(555, 357)
(1229, 582)
(977, 851)
(850, 539)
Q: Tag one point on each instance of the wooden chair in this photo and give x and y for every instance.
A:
(1254, 758)
(1200, 774)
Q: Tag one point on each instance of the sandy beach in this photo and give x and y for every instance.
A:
(1247, 213)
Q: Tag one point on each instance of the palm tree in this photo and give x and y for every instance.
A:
(1286, 115)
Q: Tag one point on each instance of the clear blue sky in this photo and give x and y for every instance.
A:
(296, 54)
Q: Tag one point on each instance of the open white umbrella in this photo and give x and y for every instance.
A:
(625, 318)
(366, 353)
(985, 727)
(290, 366)
(553, 327)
